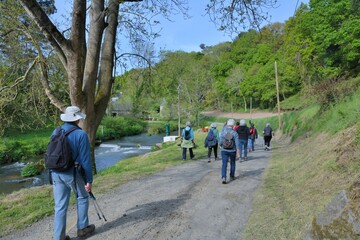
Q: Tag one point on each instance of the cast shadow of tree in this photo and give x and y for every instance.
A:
(146, 212)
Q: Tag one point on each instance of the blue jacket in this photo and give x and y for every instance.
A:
(80, 149)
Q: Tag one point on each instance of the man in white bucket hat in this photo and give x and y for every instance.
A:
(71, 179)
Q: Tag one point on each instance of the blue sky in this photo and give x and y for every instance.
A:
(187, 35)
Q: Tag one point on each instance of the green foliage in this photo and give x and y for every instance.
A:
(32, 169)
(24, 146)
(342, 115)
(154, 128)
(295, 102)
(116, 127)
(23, 104)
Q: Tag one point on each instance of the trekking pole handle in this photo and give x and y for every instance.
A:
(92, 195)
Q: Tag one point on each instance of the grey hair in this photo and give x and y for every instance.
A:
(242, 122)
(231, 122)
(213, 125)
(268, 124)
(188, 124)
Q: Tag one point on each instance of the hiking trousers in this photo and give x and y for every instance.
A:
(184, 153)
(215, 150)
(225, 156)
(267, 140)
(243, 145)
(63, 183)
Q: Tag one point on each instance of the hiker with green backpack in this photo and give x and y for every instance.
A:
(212, 140)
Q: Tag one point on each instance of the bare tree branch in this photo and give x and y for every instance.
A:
(20, 79)
(51, 33)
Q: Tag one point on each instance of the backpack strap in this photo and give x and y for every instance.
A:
(70, 130)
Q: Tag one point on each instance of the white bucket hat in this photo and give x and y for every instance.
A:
(72, 114)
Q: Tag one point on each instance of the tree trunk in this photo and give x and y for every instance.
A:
(90, 87)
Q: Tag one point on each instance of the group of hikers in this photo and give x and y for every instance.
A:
(235, 141)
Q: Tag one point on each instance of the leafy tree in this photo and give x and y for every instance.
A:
(23, 104)
(336, 36)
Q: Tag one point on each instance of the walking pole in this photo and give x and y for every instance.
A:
(97, 207)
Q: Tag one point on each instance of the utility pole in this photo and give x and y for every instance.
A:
(250, 108)
(179, 127)
(278, 96)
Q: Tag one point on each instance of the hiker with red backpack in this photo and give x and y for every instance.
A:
(211, 141)
(253, 135)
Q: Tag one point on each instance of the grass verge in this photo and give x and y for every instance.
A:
(301, 179)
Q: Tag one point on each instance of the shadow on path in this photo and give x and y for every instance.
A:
(145, 212)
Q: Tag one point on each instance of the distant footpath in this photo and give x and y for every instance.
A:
(238, 115)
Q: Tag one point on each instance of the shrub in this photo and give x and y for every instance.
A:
(116, 127)
(32, 169)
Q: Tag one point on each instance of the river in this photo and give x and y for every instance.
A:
(106, 155)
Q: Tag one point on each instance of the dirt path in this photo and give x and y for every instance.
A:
(238, 116)
(182, 202)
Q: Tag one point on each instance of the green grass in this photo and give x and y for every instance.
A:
(341, 115)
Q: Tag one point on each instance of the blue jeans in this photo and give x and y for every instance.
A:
(225, 156)
(243, 144)
(63, 183)
(250, 146)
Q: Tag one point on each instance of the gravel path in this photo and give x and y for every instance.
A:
(183, 202)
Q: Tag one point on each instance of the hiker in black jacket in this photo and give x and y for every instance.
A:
(268, 134)
(243, 132)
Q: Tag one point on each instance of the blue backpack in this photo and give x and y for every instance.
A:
(211, 139)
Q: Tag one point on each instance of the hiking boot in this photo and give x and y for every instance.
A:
(86, 231)
(246, 158)
(223, 180)
(67, 237)
(232, 178)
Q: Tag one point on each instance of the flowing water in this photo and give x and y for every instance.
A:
(106, 155)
